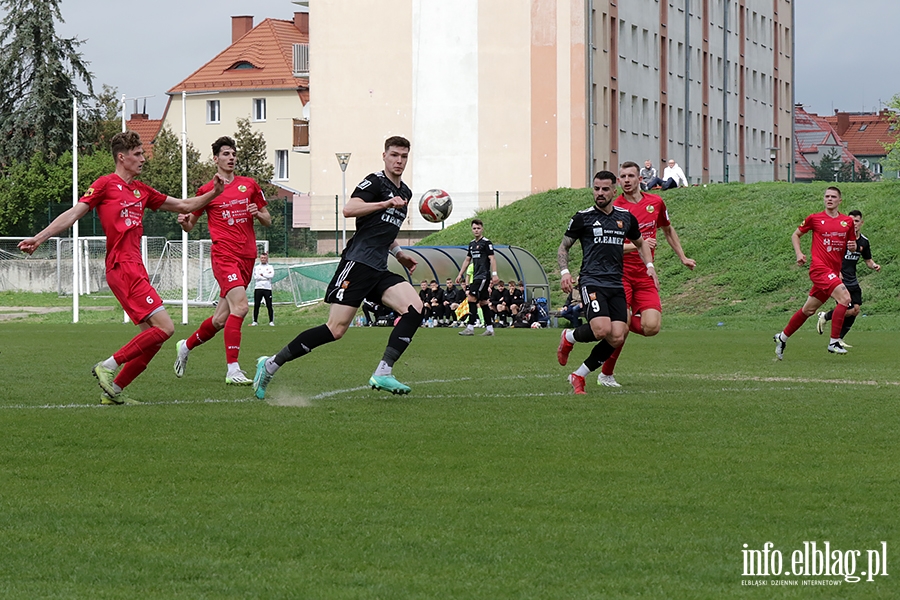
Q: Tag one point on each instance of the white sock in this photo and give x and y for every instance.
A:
(233, 368)
(582, 371)
(490, 328)
(383, 369)
(782, 337)
(470, 327)
(271, 366)
(833, 340)
(570, 336)
(110, 363)
(116, 388)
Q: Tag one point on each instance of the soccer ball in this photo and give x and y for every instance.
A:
(435, 206)
(536, 325)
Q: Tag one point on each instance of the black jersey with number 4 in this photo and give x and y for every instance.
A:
(376, 232)
(481, 252)
(602, 237)
(848, 264)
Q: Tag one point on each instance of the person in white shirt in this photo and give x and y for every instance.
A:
(673, 176)
(262, 277)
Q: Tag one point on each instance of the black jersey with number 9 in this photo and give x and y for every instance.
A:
(602, 236)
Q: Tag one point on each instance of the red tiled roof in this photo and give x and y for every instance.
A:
(148, 129)
(864, 133)
(268, 47)
(814, 134)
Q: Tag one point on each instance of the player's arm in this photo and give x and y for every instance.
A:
(675, 243)
(873, 265)
(795, 241)
(402, 257)
(187, 221)
(462, 269)
(260, 214)
(357, 207)
(494, 278)
(189, 205)
(562, 260)
(57, 226)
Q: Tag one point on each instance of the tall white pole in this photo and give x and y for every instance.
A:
(184, 235)
(123, 113)
(76, 255)
(344, 200)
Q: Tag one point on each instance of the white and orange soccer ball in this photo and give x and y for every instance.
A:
(435, 206)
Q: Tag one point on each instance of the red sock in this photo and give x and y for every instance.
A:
(635, 325)
(233, 338)
(609, 365)
(796, 323)
(204, 333)
(135, 367)
(837, 320)
(140, 343)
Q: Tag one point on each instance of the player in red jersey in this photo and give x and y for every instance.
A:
(230, 217)
(833, 235)
(120, 200)
(640, 290)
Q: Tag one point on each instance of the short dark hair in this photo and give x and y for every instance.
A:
(835, 188)
(608, 175)
(855, 213)
(125, 141)
(477, 222)
(223, 141)
(630, 164)
(396, 140)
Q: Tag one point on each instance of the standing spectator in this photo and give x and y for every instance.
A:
(120, 200)
(833, 235)
(379, 204)
(649, 177)
(263, 274)
(848, 276)
(230, 218)
(499, 303)
(481, 256)
(673, 176)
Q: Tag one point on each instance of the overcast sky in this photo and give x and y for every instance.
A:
(845, 51)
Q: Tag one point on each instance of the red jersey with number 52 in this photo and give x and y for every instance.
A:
(651, 214)
(829, 240)
(230, 222)
(120, 207)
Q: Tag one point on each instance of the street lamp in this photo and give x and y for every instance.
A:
(773, 155)
(343, 159)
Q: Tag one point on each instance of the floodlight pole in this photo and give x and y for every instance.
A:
(343, 159)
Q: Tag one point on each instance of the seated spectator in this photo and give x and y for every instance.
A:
(571, 310)
(516, 297)
(499, 303)
(424, 292)
(436, 302)
(649, 177)
(526, 316)
(452, 297)
(673, 176)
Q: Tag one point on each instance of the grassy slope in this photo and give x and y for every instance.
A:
(738, 234)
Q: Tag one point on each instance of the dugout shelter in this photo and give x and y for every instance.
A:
(441, 262)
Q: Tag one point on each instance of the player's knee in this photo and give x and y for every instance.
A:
(337, 330)
(168, 329)
(650, 329)
(241, 309)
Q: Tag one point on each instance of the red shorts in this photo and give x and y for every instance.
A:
(824, 284)
(231, 272)
(641, 294)
(131, 287)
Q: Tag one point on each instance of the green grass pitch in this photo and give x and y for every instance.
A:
(490, 480)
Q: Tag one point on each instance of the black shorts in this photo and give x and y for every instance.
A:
(855, 294)
(604, 302)
(480, 288)
(354, 282)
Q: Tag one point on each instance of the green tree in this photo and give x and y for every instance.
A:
(824, 171)
(892, 161)
(251, 154)
(39, 76)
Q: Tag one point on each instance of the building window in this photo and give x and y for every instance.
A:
(259, 109)
(876, 168)
(212, 112)
(281, 165)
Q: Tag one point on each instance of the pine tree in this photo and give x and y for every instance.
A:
(39, 75)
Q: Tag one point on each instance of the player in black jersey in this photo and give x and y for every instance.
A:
(379, 206)
(848, 276)
(481, 255)
(602, 231)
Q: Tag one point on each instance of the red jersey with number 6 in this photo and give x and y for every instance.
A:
(829, 241)
(120, 207)
(230, 222)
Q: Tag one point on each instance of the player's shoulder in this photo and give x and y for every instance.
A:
(242, 180)
(621, 210)
(862, 238)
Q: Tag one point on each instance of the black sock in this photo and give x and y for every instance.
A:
(304, 344)
(848, 323)
(584, 334)
(488, 315)
(401, 335)
(598, 355)
(473, 312)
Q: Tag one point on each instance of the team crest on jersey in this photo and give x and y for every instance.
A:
(592, 296)
(137, 193)
(650, 208)
(843, 223)
(620, 225)
(345, 284)
(242, 188)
